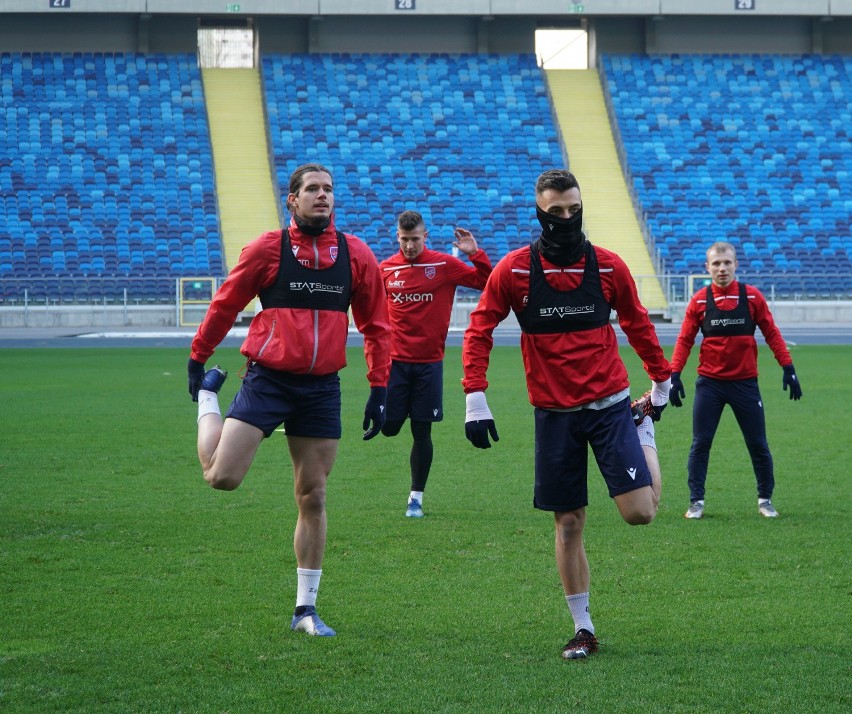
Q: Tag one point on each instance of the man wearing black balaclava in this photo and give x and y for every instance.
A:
(562, 289)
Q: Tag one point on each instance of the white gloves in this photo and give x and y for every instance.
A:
(478, 422)
(660, 392)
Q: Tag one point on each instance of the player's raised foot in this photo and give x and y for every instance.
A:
(580, 646)
(308, 621)
(767, 510)
(214, 378)
(641, 408)
(695, 510)
(414, 510)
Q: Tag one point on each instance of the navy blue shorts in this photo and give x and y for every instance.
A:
(305, 404)
(416, 391)
(561, 455)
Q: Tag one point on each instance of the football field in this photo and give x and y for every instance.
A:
(128, 585)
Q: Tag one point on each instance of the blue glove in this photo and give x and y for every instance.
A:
(375, 412)
(195, 370)
(677, 392)
(791, 380)
(478, 422)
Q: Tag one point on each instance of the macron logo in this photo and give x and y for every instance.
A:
(631, 472)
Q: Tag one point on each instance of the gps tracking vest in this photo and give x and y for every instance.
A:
(727, 323)
(296, 286)
(551, 311)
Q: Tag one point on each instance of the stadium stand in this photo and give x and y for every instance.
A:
(461, 138)
(106, 173)
(106, 177)
(752, 149)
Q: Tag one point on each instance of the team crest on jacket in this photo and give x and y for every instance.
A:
(332, 251)
(430, 272)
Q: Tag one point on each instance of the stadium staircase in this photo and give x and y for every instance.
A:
(608, 211)
(248, 203)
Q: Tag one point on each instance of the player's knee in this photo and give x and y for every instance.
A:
(421, 431)
(391, 428)
(642, 514)
(569, 525)
(311, 501)
(222, 481)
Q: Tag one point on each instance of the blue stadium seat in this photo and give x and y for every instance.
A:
(90, 133)
(456, 137)
(759, 140)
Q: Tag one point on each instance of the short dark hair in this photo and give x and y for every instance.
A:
(409, 220)
(297, 178)
(556, 179)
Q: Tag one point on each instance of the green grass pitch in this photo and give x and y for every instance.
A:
(128, 585)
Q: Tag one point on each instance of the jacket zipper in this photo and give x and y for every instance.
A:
(266, 342)
(316, 316)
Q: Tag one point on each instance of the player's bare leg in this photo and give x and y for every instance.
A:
(639, 507)
(574, 572)
(571, 552)
(312, 462)
(226, 450)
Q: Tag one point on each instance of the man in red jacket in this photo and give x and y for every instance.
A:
(727, 313)
(562, 289)
(306, 277)
(421, 284)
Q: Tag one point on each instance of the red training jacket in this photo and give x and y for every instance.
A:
(301, 341)
(728, 357)
(420, 300)
(569, 369)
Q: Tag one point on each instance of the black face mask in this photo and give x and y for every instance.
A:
(562, 241)
(311, 229)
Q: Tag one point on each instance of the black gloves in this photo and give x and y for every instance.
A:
(790, 380)
(375, 412)
(195, 369)
(478, 422)
(677, 393)
(477, 432)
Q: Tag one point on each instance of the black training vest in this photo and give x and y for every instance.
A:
(296, 286)
(727, 323)
(552, 311)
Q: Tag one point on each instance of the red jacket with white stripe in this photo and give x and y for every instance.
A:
(420, 300)
(732, 357)
(568, 369)
(297, 340)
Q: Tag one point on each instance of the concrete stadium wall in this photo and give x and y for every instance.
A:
(112, 316)
(495, 26)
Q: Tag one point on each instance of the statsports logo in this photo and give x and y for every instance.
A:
(561, 312)
(300, 286)
(726, 321)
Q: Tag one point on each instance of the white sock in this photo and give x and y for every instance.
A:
(579, 606)
(416, 496)
(307, 586)
(761, 501)
(646, 433)
(208, 403)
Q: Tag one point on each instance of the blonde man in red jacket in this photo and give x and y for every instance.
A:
(727, 313)
(421, 285)
(562, 289)
(306, 277)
